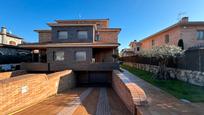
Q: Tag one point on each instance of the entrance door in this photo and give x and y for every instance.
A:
(181, 44)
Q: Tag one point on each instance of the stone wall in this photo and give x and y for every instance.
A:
(131, 94)
(189, 76)
(22, 91)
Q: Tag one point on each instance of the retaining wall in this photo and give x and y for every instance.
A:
(131, 94)
(192, 77)
(5, 75)
(22, 91)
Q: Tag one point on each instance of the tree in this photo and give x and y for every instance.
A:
(163, 53)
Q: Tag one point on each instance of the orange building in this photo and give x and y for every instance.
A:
(185, 34)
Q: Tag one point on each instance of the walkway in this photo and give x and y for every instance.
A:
(80, 101)
(162, 103)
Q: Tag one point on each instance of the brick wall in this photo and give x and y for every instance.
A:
(22, 91)
(108, 37)
(45, 37)
(5, 75)
(187, 33)
(174, 36)
(69, 58)
(189, 36)
(131, 94)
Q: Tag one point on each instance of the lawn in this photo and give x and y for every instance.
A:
(179, 89)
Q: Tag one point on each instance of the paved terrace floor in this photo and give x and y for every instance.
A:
(80, 101)
(162, 103)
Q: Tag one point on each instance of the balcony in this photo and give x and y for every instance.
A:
(97, 66)
(57, 66)
(35, 67)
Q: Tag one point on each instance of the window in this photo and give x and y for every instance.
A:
(167, 39)
(138, 48)
(62, 34)
(200, 35)
(80, 56)
(58, 56)
(97, 38)
(12, 43)
(82, 34)
(153, 42)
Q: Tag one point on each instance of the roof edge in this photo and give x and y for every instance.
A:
(105, 19)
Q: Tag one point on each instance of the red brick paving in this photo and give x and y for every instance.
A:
(55, 104)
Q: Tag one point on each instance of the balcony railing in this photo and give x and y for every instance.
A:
(57, 66)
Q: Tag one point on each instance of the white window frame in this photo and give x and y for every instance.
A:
(78, 56)
(60, 36)
(82, 36)
(57, 57)
(200, 35)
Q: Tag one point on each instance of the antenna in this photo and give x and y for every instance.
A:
(10, 32)
(79, 16)
(180, 15)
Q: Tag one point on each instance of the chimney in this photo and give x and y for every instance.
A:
(3, 30)
(184, 20)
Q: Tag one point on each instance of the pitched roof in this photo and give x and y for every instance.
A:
(175, 25)
(107, 19)
(11, 35)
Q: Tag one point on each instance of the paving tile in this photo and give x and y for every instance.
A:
(103, 107)
(161, 102)
(72, 106)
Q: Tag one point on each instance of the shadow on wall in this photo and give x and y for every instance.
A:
(66, 82)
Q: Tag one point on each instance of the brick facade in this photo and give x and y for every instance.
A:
(174, 36)
(45, 37)
(5, 75)
(108, 37)
(184, 30)
(22, 91)
(131, 94)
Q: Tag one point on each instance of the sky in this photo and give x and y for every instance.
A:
(137, 18)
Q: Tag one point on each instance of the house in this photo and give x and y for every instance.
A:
(135, 46)
(185, 34)
(8, 38)
(134, 49)
(126, 52)
(9, 50)
(86, 46)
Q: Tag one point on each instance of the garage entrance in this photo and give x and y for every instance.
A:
(93, 78)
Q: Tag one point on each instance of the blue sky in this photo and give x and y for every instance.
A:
(137, 18)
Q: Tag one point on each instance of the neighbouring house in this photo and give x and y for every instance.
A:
(9, 39)
(185, 34)
(133, 50)
(135, 46)
(10, 53)
(85, 46)
(127, 52)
